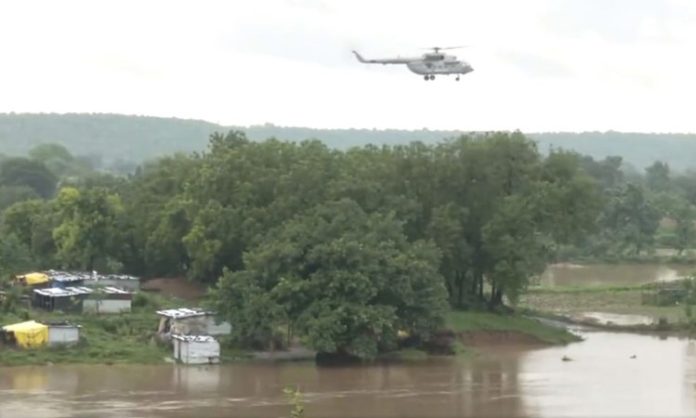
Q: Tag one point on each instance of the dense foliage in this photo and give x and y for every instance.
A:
(343, 249)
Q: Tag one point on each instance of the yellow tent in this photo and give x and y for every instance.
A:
(33, 279)
(29, 334)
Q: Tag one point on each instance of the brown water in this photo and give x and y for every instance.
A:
(611, 274)
(601, 380)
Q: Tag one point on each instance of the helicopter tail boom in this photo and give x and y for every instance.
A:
(359, 57)
(382, 61)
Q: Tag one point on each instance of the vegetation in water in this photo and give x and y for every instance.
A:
(296, 400)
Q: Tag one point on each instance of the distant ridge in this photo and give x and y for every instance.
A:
(139, 138)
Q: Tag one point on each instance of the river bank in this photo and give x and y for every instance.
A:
(130, 338)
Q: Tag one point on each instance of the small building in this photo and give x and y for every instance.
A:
(121, 281)
(108, 299)
(185, 321)
(60, 299)
(65, 279)
(83, 299)
(196, 349)
(29, 334)
(33, 279)
(62, 333)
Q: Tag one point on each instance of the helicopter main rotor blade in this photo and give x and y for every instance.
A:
(446, 47)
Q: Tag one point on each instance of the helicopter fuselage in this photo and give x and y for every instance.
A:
(424, 67)
(428, 65)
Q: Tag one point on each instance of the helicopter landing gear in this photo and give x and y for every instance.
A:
(426, 77)
(457, 78)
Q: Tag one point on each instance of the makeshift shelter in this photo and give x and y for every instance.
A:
(185, 321)
(59, 299)
(92, 279)
(108, 299)
(29, 334)
(33, 279)
(122, 281)
(196, 349)
(65, 279)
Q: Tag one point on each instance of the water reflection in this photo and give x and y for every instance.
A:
(601, 380)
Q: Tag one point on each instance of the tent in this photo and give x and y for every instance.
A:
(33, 279)
(28, 334)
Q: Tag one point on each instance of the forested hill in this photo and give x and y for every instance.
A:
(138, 138)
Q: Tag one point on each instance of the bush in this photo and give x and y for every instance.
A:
(144, 300)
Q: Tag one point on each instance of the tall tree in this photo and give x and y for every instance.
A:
(29, 173)
(346, 280)
(631, 219)
(87, 236)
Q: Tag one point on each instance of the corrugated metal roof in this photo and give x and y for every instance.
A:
(114, 290)
(183, 313)
(60, 292)
(79, 290)
(73, 276)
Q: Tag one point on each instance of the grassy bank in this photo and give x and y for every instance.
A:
(130, 337)
(466, 322)
(104, 339)
(124, 338)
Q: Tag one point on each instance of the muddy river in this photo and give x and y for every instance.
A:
(601, 379)
(611, 274)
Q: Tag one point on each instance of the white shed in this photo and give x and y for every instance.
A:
(196, 349)
(185, 321)
(63, 334)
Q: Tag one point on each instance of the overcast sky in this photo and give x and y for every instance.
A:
(540, 65)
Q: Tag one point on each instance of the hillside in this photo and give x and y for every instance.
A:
(117, 138)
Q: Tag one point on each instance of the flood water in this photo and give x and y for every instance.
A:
(601, 380)
(611, 274)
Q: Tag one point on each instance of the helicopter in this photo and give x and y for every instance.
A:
(428, 64)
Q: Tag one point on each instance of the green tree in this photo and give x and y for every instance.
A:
(657, 177)
(345, 280)
(15, 256)
(86, 234)
(631, 219)
(29, 173)
(10, 195)
(685, 215)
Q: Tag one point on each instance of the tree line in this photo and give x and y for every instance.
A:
(118, 143)
(345, 249)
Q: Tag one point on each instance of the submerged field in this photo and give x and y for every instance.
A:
(574, 302)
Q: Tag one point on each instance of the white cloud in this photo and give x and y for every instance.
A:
(539, 64)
